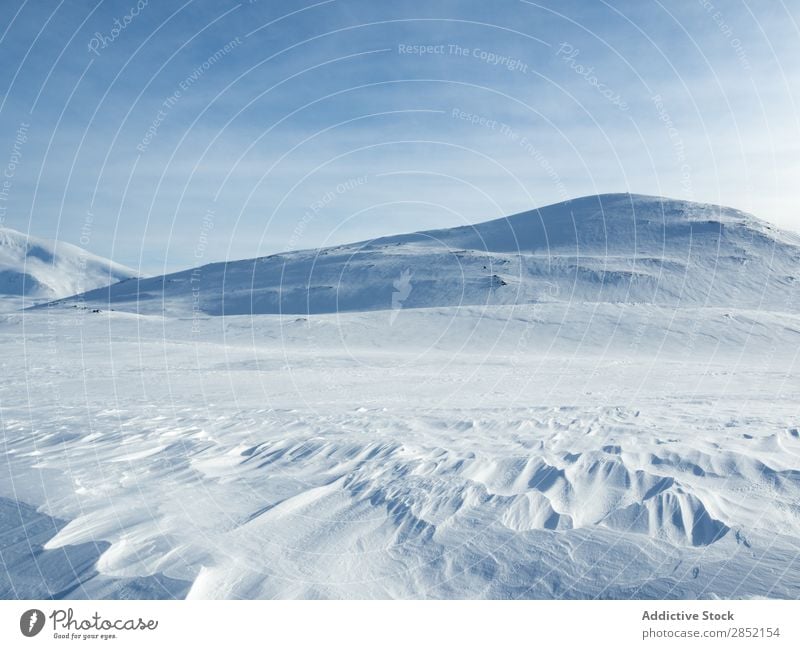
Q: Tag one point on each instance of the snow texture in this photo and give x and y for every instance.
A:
(597, 399)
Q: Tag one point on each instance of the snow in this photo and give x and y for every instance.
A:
(604, 440)
(41, 268)
(610, 248)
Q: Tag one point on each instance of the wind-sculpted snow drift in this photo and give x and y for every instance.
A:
(597, 399)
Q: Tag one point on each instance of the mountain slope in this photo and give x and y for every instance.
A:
(608, 248)
(41, 268)
(600, 443)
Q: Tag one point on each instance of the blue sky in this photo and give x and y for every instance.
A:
(192, 132)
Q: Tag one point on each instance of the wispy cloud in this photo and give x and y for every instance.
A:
(313, 94)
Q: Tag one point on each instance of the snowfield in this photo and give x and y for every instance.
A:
(618, 422)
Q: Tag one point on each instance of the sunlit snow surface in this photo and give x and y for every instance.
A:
(41, 268)
(559, 448)
(342, 456)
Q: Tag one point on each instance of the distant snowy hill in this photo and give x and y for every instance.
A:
(41, 268)
(607, 248)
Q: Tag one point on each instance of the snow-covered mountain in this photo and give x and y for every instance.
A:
(619, 422)
(42, 268)
(607, 248)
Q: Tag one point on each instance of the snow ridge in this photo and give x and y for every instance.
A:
(608, 248)
(41, 268)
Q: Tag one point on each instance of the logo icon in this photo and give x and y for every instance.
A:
(31, 622)
(402, 286)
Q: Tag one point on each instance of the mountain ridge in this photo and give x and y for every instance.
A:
(604, 248)
(39, 268)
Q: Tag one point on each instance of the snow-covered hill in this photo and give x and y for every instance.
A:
(597, 399)
(608, 248)
(41, 268)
